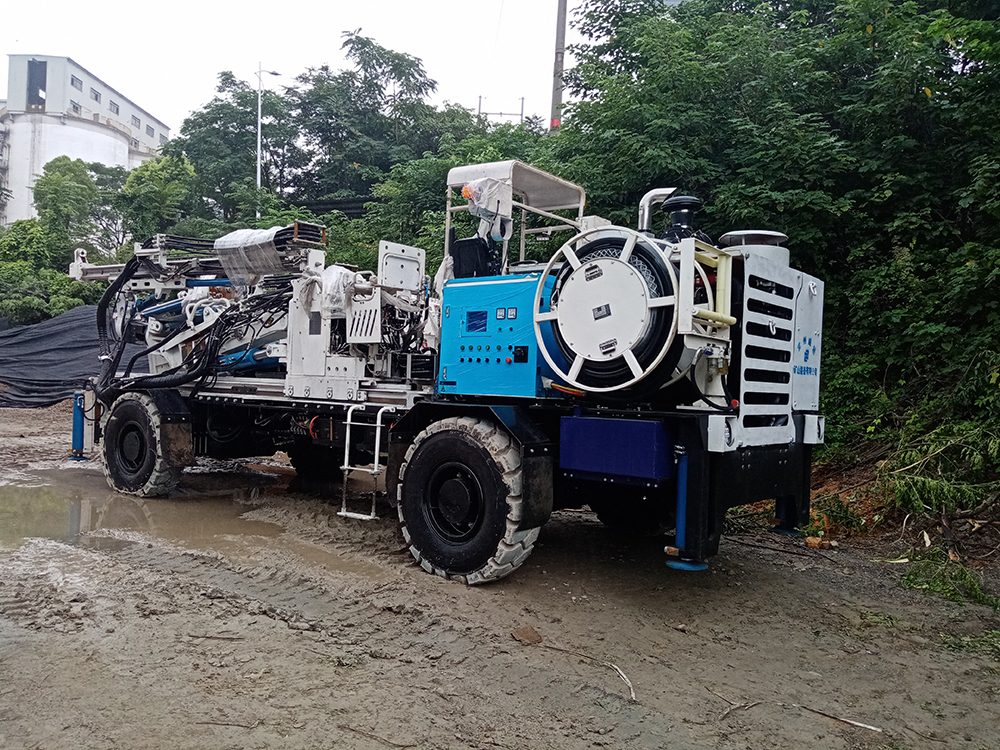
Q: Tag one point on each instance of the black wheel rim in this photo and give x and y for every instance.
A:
(453, 504)
(132, 448)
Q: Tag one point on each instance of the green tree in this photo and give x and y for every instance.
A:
(65, 196)
(77, 205)
(33, 282)
(220, 141)
(863, 129)
(26, 240)
(108, 233)
(156, 195)
(357, 123)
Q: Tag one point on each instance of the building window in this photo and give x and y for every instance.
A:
(135, 122)
(149, 130)
(76, 83)
(113, 107)
(75, 106)
(37, 74)
(163, 139)
(95, 95)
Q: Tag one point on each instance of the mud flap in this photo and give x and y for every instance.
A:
(177, 444)
(176, 435)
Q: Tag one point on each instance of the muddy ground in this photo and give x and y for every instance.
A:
(243, 613)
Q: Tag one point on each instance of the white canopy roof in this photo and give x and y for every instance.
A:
(539, 189)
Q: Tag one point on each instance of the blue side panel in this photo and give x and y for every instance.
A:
(488, 345)
(615, 447)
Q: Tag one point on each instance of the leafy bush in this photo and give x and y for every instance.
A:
(935, 571)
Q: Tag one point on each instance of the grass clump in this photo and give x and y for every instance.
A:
(988, 643)
(935, 571)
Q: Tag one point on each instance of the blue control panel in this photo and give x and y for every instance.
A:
(488, 345)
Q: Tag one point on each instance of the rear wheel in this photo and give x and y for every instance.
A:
(134, 461)
(460, 501)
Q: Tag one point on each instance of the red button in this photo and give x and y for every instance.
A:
(509, 360)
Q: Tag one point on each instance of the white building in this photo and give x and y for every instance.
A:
(54, 108)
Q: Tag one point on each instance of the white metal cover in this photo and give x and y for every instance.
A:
(808, 350)
(538, 188)
(400, 266)
(603, 309)
(768, 331)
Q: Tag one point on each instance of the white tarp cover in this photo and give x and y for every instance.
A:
(485, 197)
(248, 254)
(338, 287)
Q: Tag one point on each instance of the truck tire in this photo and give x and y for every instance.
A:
(460, 501)
(134, 462)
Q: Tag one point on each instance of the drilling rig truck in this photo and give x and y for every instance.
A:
(653, 375)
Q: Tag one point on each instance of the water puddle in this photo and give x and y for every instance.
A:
(208, 512)
(74, 513)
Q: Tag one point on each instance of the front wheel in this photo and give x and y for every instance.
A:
(460, 501)
(134, 458)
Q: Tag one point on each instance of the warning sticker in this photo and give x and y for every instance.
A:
(609, 346)
(592, 272)
(603, 311)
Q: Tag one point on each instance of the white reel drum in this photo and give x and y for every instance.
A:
(612, 311)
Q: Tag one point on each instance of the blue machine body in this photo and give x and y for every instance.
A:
(488, 345)
(633, 450)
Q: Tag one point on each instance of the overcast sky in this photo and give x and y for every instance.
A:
(166, 56)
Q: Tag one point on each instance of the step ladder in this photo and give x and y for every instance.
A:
(375, 470)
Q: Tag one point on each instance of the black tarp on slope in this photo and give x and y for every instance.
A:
(45, 363)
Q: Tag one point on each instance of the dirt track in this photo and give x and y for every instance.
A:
(243, 613)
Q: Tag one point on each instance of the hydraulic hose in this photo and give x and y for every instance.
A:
(109, 361)
(149, 349)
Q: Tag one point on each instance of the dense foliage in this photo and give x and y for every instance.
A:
(863, 129)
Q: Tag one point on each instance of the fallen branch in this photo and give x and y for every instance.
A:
(371, 736)
(975, 511)
(810, 555)
(218, 637)
(903, 532)
(228, 724)
(738, 707)
(925, 458)
(733, 705)
(615, 667)
(528, 636)
(837, 718)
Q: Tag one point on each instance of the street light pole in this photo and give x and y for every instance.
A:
(260, 86)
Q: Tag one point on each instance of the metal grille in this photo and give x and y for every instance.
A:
(363, 324)
(768, 312)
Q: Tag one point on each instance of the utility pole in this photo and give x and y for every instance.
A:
(557, 74)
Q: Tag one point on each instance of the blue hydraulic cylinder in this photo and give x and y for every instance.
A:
(78, 425)
(681, 535)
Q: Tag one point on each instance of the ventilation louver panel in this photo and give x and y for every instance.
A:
(768, 325)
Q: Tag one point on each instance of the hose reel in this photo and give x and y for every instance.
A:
(608, 318)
